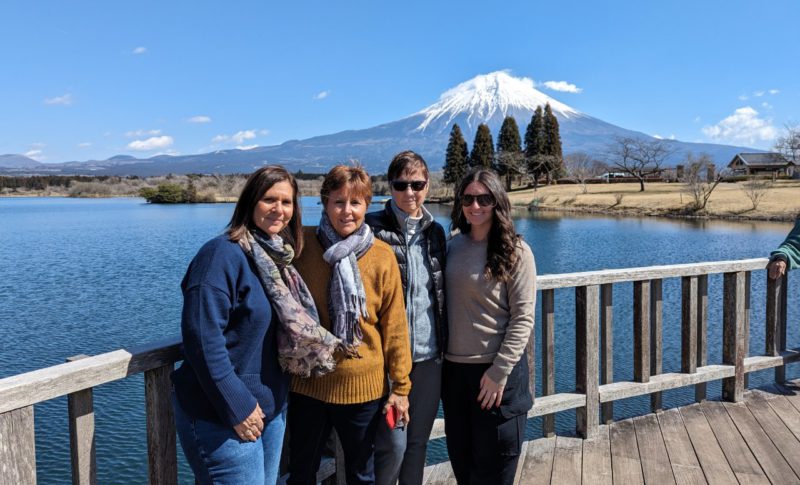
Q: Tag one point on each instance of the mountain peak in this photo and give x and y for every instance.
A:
(487, 96)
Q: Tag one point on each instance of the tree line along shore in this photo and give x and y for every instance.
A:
(732, 199)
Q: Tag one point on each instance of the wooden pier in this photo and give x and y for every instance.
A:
(754, 436)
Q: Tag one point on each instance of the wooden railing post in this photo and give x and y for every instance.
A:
(689, 324)
(83, 457)
(162, 458)
(656, 340)
(641, 331)
(17, 447)
(702, 333)
(548, 358)
(606, 346)
(587, 359)
(733, 327)
(746, 336)
(775, 339)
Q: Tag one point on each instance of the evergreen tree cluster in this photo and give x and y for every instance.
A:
(542, 154)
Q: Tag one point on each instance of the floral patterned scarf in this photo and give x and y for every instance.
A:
(305, 348)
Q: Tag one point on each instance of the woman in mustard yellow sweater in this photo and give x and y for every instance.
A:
(357, 289)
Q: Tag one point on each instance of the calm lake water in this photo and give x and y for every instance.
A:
(86, 276)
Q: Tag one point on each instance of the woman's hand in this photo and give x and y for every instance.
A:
(776, 268)
(250, 429)
(491, 393)
(401, 404)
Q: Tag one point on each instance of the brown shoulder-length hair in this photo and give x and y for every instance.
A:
(353, 176)
(406, 161)
(254, 189)
(501, 254)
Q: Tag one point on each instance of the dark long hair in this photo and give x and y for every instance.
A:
(254, 189)
(501, 254)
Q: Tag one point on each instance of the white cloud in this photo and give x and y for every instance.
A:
(766, 105)
(85, 144)
(322, 94)
(758, 94)
(199, 119)
(140, 133)
(34, 154)
(774, 91)
(670, 137)
(743, 126)
(697, 119)
(65, 100)
(562, 86)
(246, 147)
(237, 138)
(742, 97)
(263, 132)
(140, 50)
(153, 143)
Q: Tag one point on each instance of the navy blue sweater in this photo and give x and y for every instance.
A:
(229, 346)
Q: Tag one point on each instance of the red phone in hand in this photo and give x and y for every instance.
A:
(393, 418)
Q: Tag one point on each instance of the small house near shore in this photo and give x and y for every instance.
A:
(762, 164)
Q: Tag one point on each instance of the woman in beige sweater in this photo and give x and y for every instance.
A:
(491, 298)
(355, 283)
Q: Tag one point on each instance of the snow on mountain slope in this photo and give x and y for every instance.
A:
(490, 96)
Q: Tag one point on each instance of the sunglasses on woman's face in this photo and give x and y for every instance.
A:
(484, 200)
(402, 185)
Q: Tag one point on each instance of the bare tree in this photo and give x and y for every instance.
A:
(788, 144)
(581, 167)
(755, 189)
(698, 185)
(638, 157)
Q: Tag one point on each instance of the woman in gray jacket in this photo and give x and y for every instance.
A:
(419, 246)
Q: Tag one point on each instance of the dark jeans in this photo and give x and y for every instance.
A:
(400, 453)
(310, 423)
(483, 445)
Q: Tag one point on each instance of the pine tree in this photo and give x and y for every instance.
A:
(509, 150)
(553, 144)
(482, 149)
(456, 157)
(535, 145)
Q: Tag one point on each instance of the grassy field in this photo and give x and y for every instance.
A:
(729, 200)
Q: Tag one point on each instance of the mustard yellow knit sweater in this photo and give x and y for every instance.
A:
(385, 348)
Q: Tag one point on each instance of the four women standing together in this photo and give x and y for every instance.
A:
(362, 324)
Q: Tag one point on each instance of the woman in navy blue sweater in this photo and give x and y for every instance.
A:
(230, 392)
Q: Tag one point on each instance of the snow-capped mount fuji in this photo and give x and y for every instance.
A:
(486, 98)
(489, 98)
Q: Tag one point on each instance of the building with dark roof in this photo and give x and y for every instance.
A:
(762, 164)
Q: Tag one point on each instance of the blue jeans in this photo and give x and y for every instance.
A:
(218, 456)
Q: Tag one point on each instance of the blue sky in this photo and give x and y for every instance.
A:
(88, 80)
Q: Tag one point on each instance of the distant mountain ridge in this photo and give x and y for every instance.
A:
(487, 98)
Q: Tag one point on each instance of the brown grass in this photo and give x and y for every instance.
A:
(781, 202)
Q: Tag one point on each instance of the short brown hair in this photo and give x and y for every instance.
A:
(406, 160)
(254, 189)
(352, 176)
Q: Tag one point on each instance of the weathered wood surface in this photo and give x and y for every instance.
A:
(17, 447)
(656, 340)
(567, 280)
(161, 444)
(607, 346)
(702, 333)
(641, 331)
(754, 441)
(80, 408)
(587, 359)
(548, 356)
(41, 385)
(733, 333)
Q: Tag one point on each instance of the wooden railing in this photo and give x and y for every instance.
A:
(592, 398)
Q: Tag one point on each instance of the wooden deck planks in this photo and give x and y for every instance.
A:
(655, 461)
(774, 465)
(741, 459)
(567, 459)
(537, 461)
(626, 466)
(597, 459)
(777, 431)
(712, 460)
(685, 466)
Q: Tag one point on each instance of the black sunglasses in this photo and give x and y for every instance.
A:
(402, 185)
(484, 200)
